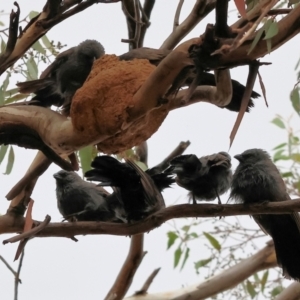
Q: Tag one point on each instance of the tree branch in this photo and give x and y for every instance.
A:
(263, 259)
(292, 292)
(10, 268)
(127, 272)
(148, 282)
(153, 221)
(200, 10)
(17, 278)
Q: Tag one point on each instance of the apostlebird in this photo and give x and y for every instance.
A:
(257, 180)
(139, 192)
(59, 82)
(206, 177)
(84, 201)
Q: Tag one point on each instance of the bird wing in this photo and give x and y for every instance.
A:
(152, 194)
(59, 60)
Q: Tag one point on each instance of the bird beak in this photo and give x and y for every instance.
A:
(239, 157)
(56, 176)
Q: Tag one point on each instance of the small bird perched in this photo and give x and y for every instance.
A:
(257, 180)
(139, 192)
(206, 177)
(84, 201)
(59, 82)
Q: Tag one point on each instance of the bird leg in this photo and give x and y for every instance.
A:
(194, 199)
(219, 200)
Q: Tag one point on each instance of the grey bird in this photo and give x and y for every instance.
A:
(257, 180)
(207, 177)
(59, 82)
(84, 201)
(139, 191)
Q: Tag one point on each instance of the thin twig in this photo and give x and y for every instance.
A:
(177, 14)
(29, 234)
(9, 267)
(148, 282)
(17, 277)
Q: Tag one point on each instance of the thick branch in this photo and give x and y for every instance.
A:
(200, 10)
(292, 292)
(153, 221)
(128, 270)
(229, 278)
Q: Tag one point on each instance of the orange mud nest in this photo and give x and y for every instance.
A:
(100, 106)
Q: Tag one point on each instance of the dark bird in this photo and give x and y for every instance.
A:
(206, 177)
(257, 180)
(139, 192)
(84, 201)
(59, 82)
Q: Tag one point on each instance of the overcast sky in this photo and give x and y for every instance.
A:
(57, 268)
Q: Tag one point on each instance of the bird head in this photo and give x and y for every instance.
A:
(90, 49)
(65, 176)
(252, 155)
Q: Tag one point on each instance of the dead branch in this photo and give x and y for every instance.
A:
(14, 223)
(263, 259)
(128, 270)
(200, 10)
(177, 151)
(148, 282)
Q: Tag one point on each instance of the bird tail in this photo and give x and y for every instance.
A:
(183, 163)
(109, 171)
(33, 86)
(286, 236)
(162, 180)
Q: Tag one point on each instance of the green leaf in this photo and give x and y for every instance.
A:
(279, 156)
(201, 263)
(295, 99)
(278, 122)
(186, 228)
(177, 256)
(186, 256)
(3, 45)
(256, 278)
(296, 157)
(15, 98)
(172, 237)
(264, 280)
(141, 165)
(6, 82)
(86, 156)
(272, 30)
(256, 39)
(213, 241)
(3, 150)
(10, 162)
(280, 146)
(1, 96)
(9, 93)
(194, 235)
(250, 289)
(287, 174)
(276, 291)
(32, 69)
(33, 14)
(269, 45)
(38, 47)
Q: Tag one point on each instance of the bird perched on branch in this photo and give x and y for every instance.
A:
(139, 192)
(59, 82)
(84, 201)
(257, 180)
(206, 177)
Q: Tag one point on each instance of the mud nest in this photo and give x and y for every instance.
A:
(100, 106)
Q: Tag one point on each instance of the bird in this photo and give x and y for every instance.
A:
(139, 192)
(257, 180)
(61, 79)
(206, 177)
(84, 201)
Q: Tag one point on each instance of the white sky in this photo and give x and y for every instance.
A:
(61, 269)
